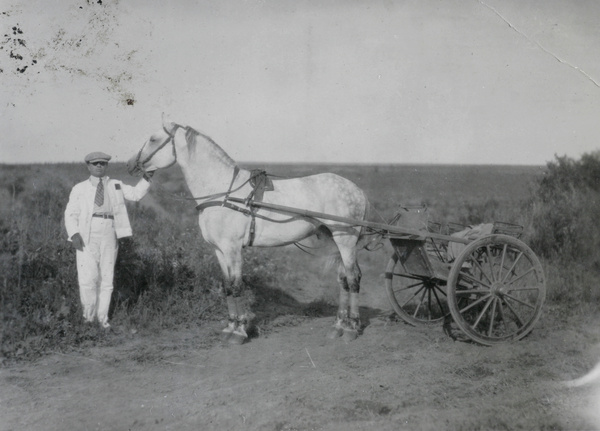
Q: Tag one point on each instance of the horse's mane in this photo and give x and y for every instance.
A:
(191, 137)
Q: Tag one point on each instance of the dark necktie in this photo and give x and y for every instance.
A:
(99, 200)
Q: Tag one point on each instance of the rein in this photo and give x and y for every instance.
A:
(230, 190)
(236, 170)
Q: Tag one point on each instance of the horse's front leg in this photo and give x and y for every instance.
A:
(240, 332)
(231, 310)
(233, 287)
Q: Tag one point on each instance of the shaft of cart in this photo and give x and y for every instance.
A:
(387, 230)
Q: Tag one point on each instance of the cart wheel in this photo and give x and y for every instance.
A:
(417, 300)
(496, 289)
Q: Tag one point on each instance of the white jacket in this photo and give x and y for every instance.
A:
(80, 208)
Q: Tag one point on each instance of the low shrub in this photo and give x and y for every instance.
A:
(565, 231)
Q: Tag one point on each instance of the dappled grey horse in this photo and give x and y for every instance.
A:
(214, 178)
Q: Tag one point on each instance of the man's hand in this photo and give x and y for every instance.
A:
(77, 241)
(125, 244)
(148, 175)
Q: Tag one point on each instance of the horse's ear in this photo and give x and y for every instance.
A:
(167, 123)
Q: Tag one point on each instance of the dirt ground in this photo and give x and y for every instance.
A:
(291, 377)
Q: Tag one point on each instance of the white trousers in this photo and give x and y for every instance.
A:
(96, 268)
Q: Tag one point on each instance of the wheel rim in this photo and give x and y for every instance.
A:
(417, 300)
(496, 289)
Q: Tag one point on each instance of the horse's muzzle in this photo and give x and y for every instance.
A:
(133, 167)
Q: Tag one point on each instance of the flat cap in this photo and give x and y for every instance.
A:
(97, 156)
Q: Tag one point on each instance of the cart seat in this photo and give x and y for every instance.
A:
(416, 260)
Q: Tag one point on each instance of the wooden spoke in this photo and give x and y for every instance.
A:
(526, 304)
(418, 300)
(492, 317)
(482, 312)
(400, 289)
(490, 260)
(496, 289)
(473, 291)
(513, 266)
(514, 313)
(473, 280)
(524, 289)
(504, 248)
(514, 280)
(502, 316)
(481, 270)
(437, 298)
(473, 304)
(414, 295)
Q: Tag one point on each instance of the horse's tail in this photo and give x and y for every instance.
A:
(333, 260)
(369, 238)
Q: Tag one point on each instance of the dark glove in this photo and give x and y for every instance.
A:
(148, 175)
(126, 243)
(77, 242)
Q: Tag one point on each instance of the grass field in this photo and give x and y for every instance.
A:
(167, 312)
(169, 257)
(169, 275)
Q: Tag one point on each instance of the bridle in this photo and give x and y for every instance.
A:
(171, 139)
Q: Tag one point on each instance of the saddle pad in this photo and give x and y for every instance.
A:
(260, 182)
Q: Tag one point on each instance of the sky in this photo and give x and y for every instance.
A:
(303, 81)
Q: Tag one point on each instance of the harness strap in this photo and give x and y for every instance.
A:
(251, 234)
(259, 182)
(201, 207)
(226, 194)
(252, 231)
(236, 171)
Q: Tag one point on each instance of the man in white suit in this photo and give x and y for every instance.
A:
(95, 217)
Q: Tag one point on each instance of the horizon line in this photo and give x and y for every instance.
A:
(312, 163)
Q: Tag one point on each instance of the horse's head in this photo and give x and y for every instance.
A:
(157, 152)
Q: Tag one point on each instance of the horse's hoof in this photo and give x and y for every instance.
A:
(227, 331)
(335, 333)
(350, 335)
(238, 338)
(225, 334)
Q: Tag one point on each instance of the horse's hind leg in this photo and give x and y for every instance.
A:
(353, 325)
(349, 275)
(342, 314)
